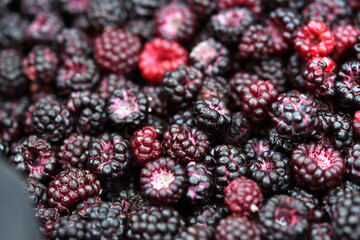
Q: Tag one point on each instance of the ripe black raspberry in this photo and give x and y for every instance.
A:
(271, 171)
(69, 227)
(294, 115)
(80, 207)
(317, 167)
(156, 223)
(321, 230)
(185, 144)
(211, 57)
(10, 128)
(175, 21)
(76, 74)
(239, 130)
(200, 183)
(352, 163)
(283, 217)
(228, 25)
(51, 120)
(214, 87)
(105, 13)
(127, 107)
(34, 157)
(88, 111)
(105, 221)
(41, 64)
(131, 200)
(237, 227)
(195, 233)
(347, 84)
(71, 186)
(109, 156)
(212, 115)
(158, 103)
(163, 180)
(183, 117)
(144, 146)
(182, 85)
(46, 218)
(12, 29)
(72, 42)
(73, 151)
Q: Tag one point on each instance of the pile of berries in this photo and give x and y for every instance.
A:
(184, 119)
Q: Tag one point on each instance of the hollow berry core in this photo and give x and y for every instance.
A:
(162, 179)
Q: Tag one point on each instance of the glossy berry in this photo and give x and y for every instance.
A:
(347, 85)
(158, 56)
(145, 146)
(109, 156)
(185, 144)
(163, 180)
(317, 167)
(200, 183)
(212, 115)
(36, 191)
(72, 42)
(71, 186)
(127, 107)
(34, 157)
(313, 40)
(208, 215)
(228, 25)
(356, 124)
(117, 50)
(352, 163)
(243, 196)
(239, 130)
(211, 57)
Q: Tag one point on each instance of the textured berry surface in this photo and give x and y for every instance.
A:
(200, 183)
(236, 227)
(71, 186)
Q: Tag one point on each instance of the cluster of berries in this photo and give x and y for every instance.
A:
(184, 119)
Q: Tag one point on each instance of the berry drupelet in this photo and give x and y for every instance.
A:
(182, 85)
(51, 120)
(183, 117)
(200, 183)
(158, 56)
(105, 221)
(73, 151)
(127, 107)
(283, 217)
(286, 21)
(70, 187)
(46, 218)
(344, 39)
(228, 25)
(44, 28)
(317, 167)
(10, 128)
(163, 180)
(319, 11)
(321, 231)
(12, 29)
(88, 111)
(185, 144)
(294, 115)
(105, 13)
(4, 148)
(76, 74)
(214, 86)
(158, 103)
(144, 145)
(41, 64)
(12, 78)
(271, 171)
(255, 147)
(256, 99)
(34, 157)
(237, 227)
(156, 223)
(131, 200)
(356, 124)
(347, 84)
(212, 115)
(243, 196)
(175, 21)
(195, 233)
(110, 82)
(320, 75)
(109, 156)
(211, 57)
(237, 82)
(313, 40)
(80, 207)
(117, 51)
(352, 163)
